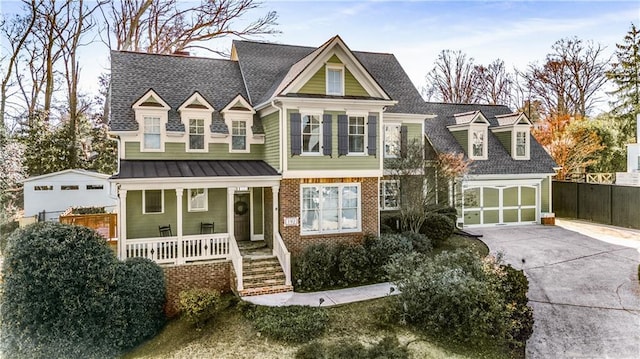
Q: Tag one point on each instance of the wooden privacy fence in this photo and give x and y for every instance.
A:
(600, 203)
(103, 223)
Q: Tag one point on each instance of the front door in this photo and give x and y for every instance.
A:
(242, 217)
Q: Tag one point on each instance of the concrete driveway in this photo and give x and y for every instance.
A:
(584, 291)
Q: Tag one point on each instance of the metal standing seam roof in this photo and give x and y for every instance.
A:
(131, 169)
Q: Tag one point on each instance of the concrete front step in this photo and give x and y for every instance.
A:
(247, 292)
(264, 273)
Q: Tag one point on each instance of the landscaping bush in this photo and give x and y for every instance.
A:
(390, 222)
(450, 212)
(315, 268)
(293, 324)
(380, 250)
(199, 305)
(66, 295)
(353, 263)
(455, 294)
(514, 284)
(438, 227)
(420, 242)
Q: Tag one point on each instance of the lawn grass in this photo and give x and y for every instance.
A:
(230, 335)
(457, 241)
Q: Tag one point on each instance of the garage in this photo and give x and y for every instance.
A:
(500, 204)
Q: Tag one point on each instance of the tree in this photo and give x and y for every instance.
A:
(165, 27)
(13, 171)
(423, 182)
(569, 80)
(494, 84)
(453, 79)
(571, 144)
(625, 74)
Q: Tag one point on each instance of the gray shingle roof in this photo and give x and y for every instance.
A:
(499, 160)
(265, 65)
(174, 79)
(193, 168)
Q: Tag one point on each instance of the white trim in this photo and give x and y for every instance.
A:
(206, 200)
(409, 117)
(503, 177)
(334, 67)
(193, 98)
(162, 116)
(144, 203)
(331, 173)
(151, 93)
(474, 128)
(480, 207)
(196, 182)
(365, 134)
(340, 186)
(227, 109)
(205, 138)
(320, 116)
(336, 104)
(76, 171)
(247, 129)
(384, 139)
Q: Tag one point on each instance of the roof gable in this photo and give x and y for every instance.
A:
(80, 172)
(512, 119)
(196, 102)
(150, 100)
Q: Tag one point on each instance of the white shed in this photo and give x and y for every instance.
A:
(53, 193)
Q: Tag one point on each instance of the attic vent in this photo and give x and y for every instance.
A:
(151, 102)
(181, 53)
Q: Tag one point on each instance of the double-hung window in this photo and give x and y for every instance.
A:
(335, 81)
(151, 133)
(391, 141)
(477, 143)
(311, 134)
(197, 199)
(356, 134)
(521, 144)
(153, 201)
(330, 208)
(389, 195)
(196, 134)
(239, 135)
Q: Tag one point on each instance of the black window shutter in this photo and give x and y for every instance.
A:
(372, 138)
(343, 135)
(326, 135)
(296, 134)
(403, 141)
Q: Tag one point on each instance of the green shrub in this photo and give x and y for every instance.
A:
(294, 324)
(390, 222)
(420, 242)
(66, 295)
(454, 294)
(514, 285)
(6, 229)
(389, 347)
(199, 305)
(315, 268)
(313, 350)
(380, 249)
(449, 212)
(438, 227)
(346, 349)
(353, 263)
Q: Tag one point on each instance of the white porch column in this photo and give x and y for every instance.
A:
(230, 224)
(275, 190)
(122, 224)
(179, 191)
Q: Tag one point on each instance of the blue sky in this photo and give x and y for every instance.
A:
(519, 32)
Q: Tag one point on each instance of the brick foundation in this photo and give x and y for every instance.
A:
(290, 207)
(178, 278)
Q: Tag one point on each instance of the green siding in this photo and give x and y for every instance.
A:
(217, 212)
(317, 84)
(257, 211)
(414, 131)
(146, 225)
(271, 126)
(505, 139)
(544, 189)
(176, 151)
(141, 225)
(333, 162)
(463, 139)
(334, 59)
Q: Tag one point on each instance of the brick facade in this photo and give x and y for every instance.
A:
(290, 207)
(178, 278)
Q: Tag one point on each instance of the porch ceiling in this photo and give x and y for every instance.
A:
(141, 169)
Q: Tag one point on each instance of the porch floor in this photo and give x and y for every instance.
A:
(254, 249)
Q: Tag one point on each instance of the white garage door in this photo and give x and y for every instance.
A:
(485, 205)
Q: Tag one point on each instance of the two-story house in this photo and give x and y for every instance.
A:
(286, 144)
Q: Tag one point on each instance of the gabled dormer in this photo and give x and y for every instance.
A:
(471, 132)
(331, 70)
(514, 133)
(239, 116)
(196, 113)
(152, 116)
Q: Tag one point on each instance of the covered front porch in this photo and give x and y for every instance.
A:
(178, 220)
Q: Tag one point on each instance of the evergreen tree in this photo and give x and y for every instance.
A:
(625, 73)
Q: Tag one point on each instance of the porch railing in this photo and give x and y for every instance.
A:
(164, 250)
(284, 257)
(236, 260)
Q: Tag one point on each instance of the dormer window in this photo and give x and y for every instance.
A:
(151, 113)
(513, 131)
(194, 112)
(151, 131)
(335, 80)
(471, 131)
(477, 143)
(521, 143)
(239, 135)
(196, 134)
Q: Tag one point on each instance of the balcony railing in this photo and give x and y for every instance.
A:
(165, 250)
